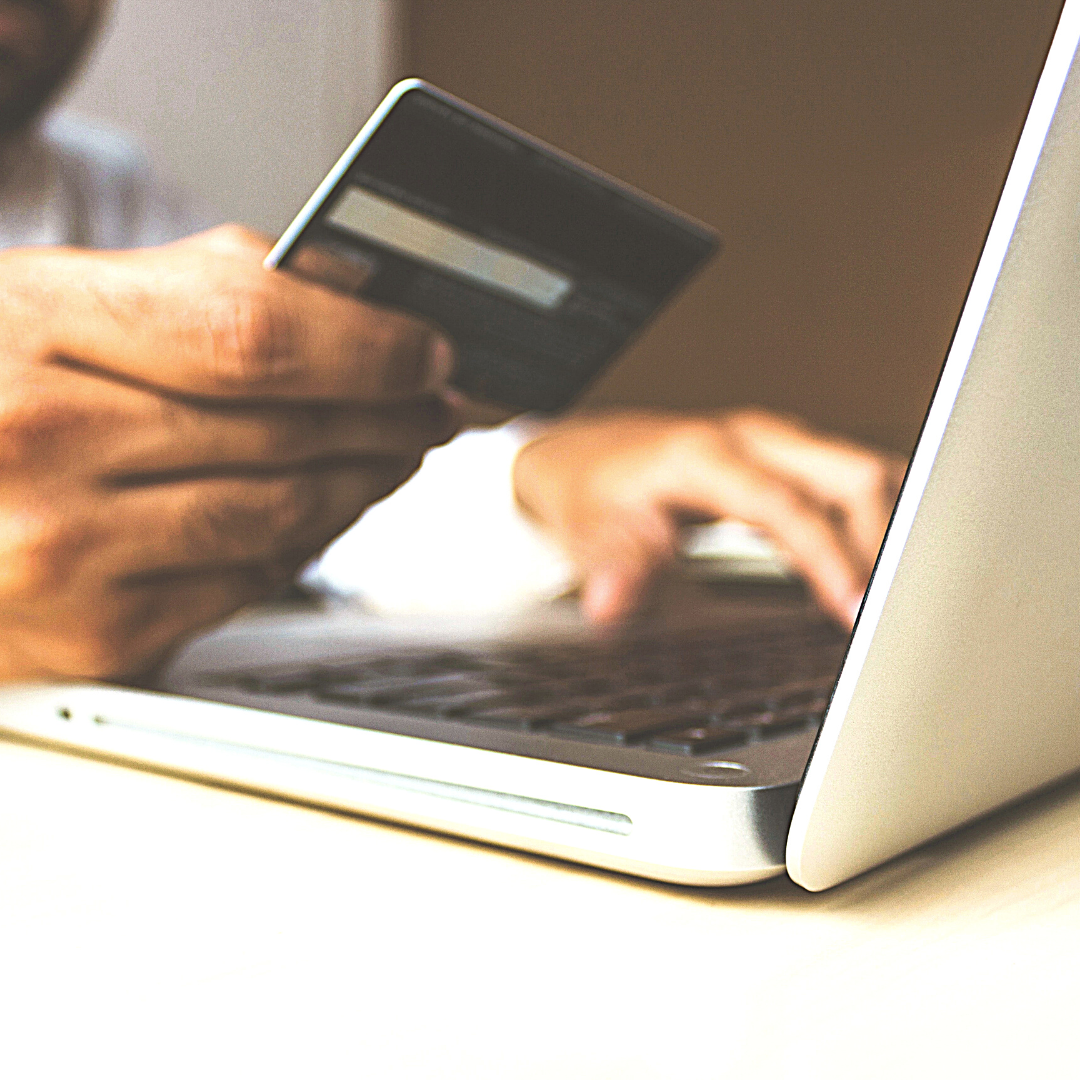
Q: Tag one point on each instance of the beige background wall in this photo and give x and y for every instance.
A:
(245, 102)
(850, 153)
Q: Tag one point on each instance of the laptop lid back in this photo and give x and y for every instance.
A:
(961, 690)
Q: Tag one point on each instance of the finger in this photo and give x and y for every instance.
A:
(862, 484)
(207, 523)
(75, 422)
(203, 317)
(619, 559)
(177, 438)
(730, 487)
(611, 595)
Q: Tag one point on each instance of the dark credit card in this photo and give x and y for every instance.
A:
(538, 267)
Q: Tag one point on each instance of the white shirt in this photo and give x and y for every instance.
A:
(71, 182)
(450, 539)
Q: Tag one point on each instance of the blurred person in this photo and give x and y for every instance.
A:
(182, 431)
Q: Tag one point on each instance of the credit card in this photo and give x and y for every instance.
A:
(539, 268)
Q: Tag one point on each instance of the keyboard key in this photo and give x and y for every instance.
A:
(421, 666)
(675, 693)
(731, 729)
(461, 705)
(699, 740)
(514, 677)
(562, 689)
(689, 692)
(517, 717)
(619, 728)
(349, 693)
(395, 691)
(295, 683)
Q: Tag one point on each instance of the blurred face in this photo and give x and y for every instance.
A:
(40, 41)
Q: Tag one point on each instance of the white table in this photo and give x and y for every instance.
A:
(154, 927)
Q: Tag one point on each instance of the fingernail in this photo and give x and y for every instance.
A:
(440, 363)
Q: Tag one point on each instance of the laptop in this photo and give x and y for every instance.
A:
(733, 734)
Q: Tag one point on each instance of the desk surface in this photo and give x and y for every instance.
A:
(155, 927)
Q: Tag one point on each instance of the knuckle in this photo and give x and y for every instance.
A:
(250, 338)
(40, 554)
(264, 520)
(32, 426)
(238, 239)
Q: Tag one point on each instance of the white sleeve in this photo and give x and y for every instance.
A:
(117, 200)
(451, 539)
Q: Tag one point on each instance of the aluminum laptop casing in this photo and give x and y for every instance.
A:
(714, 820)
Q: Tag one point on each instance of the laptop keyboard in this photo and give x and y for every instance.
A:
(681, 693)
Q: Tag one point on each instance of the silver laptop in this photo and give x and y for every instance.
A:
(734, 734)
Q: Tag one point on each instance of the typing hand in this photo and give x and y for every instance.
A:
(180, 430)
(614, 489)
